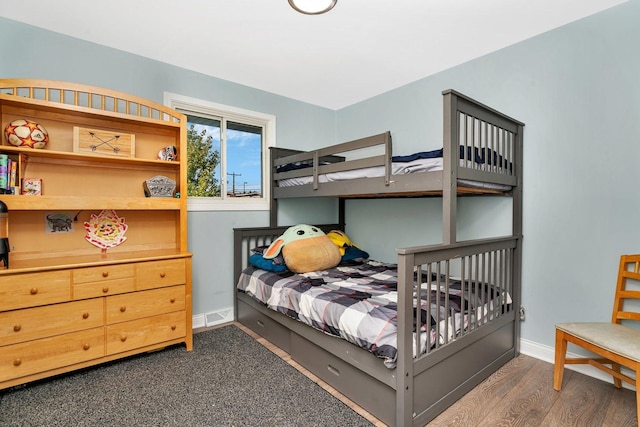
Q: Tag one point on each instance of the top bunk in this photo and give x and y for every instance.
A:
(481, 154)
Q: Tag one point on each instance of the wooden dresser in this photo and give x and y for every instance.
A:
(64, 302)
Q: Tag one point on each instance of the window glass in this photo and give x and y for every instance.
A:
(244, 160)
(227, 154)
(203, 150)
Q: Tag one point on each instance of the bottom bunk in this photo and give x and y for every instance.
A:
(461, 314)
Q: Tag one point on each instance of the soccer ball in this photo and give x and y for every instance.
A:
(25, 133)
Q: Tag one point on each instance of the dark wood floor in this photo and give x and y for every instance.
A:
(521, 394)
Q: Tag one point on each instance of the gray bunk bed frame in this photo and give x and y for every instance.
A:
(422, 386)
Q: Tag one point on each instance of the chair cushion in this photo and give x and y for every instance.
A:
(616, 338)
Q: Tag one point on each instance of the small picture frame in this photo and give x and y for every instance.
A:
(58, 222)
(31, 186)
(103, 142)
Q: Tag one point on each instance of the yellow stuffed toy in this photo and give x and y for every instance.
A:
(341, 240)
(305, 248)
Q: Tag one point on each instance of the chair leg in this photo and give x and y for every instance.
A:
(616, 380)
(637, 401)
(561, 354)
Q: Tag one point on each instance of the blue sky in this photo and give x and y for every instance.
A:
(244, 157)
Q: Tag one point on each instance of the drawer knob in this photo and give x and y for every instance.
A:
(105, 274)
(163, 274)
(34, 291)
(172, 300)
(123, 308)
(85, 315)
(123, 338)
(105, 289)
(173, 327)
(17, 328)
(86, 346)
(17, 362)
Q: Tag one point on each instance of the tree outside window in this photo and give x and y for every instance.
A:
(227, 153)
(208, 140)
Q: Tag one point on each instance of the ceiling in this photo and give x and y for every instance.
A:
(358, 50)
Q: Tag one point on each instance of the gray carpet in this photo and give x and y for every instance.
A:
(228, 379)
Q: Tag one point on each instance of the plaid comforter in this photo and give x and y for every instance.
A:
(358, 302)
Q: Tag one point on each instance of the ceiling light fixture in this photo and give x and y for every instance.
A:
(312, 7)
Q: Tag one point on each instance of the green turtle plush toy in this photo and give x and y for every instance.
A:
(304, 248)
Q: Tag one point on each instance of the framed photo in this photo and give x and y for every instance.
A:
(103, 142)
(58, 222)
(31, 186)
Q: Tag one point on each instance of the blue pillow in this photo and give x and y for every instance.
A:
(275, 265)
(351, 253)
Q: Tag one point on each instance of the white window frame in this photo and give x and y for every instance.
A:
(266, 121)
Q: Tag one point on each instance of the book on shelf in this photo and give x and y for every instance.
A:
(4, 168)
(8, 175)
(13, 173)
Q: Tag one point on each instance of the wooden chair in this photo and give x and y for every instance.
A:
(616, 345)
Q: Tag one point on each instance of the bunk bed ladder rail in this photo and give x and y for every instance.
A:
(327, 160)
(486, 268)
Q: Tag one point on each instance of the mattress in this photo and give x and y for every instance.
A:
(415, 163)
(357, 301)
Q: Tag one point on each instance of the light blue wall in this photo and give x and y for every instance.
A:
(577, 89)
(30, 52)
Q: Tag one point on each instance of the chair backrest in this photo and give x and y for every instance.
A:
(627, 288)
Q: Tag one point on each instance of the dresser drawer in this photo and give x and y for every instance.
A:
(33, 289)
(103, 273)
(19, 360)
(41, 322)
(103, 288)
(156, 274)
(121, 308)
(144, 332)
(101, 281)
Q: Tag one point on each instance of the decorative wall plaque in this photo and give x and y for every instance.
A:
(105, 230)
(102, 142)
(159, 186)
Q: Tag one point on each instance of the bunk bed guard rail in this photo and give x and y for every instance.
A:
(488, 270)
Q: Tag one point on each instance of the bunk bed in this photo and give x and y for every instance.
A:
(466, 324)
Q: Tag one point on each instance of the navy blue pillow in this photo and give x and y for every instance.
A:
(275, 265)
(351, 253)
(266, 264)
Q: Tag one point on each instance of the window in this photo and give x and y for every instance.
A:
(227, 149)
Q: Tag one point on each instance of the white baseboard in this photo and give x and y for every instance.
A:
(198, 321)
(547, 353)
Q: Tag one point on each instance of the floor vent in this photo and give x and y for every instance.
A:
(217, 317)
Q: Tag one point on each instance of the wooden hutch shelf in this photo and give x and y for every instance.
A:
(35, 203)
(66, 304)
